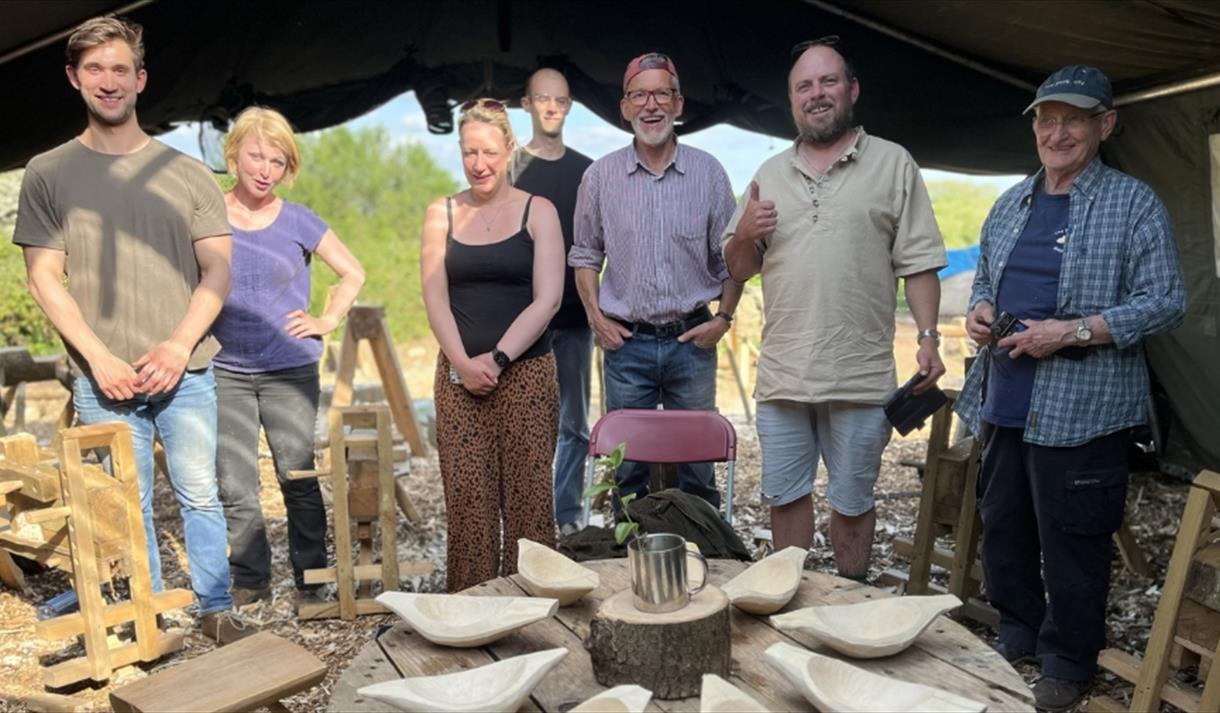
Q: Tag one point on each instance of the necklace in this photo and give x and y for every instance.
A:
(488, 223)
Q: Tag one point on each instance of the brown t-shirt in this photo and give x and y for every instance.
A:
(127, 224)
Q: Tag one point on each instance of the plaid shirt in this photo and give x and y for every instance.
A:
(1121, 262)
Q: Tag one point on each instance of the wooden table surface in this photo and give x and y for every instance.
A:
(946, 655)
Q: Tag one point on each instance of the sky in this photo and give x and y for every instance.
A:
(739, 151)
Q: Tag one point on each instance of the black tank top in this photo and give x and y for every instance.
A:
(490, 285)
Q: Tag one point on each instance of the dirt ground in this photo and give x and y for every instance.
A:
(1155, 504)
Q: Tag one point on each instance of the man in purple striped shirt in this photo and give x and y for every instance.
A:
(653, 212)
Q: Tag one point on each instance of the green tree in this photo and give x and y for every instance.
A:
(960, 208)
(22, 323)
(373, 193)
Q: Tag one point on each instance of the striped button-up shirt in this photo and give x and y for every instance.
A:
(657, 233)
(1120, 261)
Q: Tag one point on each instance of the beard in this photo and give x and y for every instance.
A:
(116, 117)
(841, 120)
(653, 134)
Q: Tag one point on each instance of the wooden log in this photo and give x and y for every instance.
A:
(405, 503)
(665, 653)
(56, 703)
(1203, 584)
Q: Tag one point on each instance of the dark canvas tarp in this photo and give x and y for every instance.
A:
(946, 78)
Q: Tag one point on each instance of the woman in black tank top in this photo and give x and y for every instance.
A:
(492, 267)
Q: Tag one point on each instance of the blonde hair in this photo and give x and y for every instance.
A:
(480, 112)
(100, 30)
(270, 126)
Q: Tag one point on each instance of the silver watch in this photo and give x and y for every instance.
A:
(923, 333)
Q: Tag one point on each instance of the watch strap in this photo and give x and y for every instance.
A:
(924, 333)
(728, 318)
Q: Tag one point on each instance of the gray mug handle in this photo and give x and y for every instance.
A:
(703, 582)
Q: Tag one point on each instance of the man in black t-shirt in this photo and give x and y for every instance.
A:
(547, 168)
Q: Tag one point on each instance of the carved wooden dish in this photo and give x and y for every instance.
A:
(720, 696)
(834, 685)
(464, 621)
(620, 699)
(500, 686)
(546, 573)
(867, 630)
(768, 585)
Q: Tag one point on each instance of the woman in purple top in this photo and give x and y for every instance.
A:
(267, 369)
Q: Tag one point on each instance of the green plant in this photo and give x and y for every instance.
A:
(607, 466)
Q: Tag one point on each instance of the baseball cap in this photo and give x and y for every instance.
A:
(650, 60)
(1076, 84)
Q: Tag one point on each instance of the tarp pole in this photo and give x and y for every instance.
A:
(57, 36)
(1168, 90)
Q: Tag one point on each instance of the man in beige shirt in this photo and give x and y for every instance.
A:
(832, 223)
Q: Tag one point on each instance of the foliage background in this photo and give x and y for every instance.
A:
(373, 192)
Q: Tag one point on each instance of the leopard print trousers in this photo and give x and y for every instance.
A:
(496, 454)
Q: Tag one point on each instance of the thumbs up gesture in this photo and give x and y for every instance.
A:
(759, 219)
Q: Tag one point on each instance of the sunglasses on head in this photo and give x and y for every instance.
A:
(491, 104)
(825, 41)
(656, 60)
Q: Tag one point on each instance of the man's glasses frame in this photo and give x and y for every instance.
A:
(1072, 123)
(663, 96)
(561, 102)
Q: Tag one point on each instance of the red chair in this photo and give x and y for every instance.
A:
(660, 436)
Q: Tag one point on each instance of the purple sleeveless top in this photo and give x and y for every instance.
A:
(270, 280)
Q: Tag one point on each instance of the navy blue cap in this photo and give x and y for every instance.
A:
(1076, 84)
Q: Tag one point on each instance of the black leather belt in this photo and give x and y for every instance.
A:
(672, 329)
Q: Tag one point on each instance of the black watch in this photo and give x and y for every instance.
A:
(728, 318)
(500, 358)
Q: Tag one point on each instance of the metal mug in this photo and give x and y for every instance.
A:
(658, 572)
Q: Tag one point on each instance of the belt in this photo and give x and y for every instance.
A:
(672, 329)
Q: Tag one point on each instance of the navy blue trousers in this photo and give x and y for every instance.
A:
(1048, 517)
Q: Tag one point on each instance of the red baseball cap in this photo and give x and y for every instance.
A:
(651, 60)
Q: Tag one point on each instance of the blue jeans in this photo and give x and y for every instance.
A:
(647, 371)
(185, 418)
(573, 349)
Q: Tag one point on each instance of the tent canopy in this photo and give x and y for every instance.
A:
(945, 78)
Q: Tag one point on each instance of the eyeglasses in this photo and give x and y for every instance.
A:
(491, 104)
(1072, 123)
(561, 102)
(639, 97)
(824, 41)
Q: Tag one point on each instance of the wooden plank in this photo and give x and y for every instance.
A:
(20, 448)
(224, 679)
(10, 574)
(1129, 668)
(37, 517)
(396, 392)
(1203, 582)
(969, 527)
(38, 482)
(77, 669)
(95, 435)
(941, 557)
(56, 703)
(68, 625)
(1131, 552)
(406, 568)
(388, 521)
(331, 610)
(1198, 628)
(1105, 704)
(97, 663)
(925, 535)
(123, 465)
(342, 519)
(1149, 688)
(348, 355)
(405, 503)
(369, 666)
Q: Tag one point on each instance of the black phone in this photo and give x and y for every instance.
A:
(1005, 325)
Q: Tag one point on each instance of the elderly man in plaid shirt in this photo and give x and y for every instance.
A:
(1078, 265)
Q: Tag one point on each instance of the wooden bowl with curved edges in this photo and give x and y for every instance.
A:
(500, 686)
(546, 573)
(620, 699)
(719, 696)
(464, 621)
(872, 629)
(834, 685)
(768, 585)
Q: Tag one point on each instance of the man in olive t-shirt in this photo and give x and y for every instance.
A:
(141, 233)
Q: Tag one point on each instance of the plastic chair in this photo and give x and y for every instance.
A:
(660, 436)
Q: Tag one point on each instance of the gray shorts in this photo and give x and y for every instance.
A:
(850, 438)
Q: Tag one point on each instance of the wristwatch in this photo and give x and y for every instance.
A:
(923, 333)
(1083, 334)
(501, 359)
(728, 318)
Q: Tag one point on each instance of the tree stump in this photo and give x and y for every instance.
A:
(665, 653)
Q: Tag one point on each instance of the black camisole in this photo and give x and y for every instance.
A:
(490, 285)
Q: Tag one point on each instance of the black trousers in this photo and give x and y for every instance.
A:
(285, 404)
(1048, 517)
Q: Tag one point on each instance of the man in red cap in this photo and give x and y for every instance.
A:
(653, 212)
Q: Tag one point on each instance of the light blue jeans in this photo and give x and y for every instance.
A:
(647, 371)
(185, 418)
(573, 347)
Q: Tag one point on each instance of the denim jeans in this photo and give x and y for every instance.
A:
(285, 403)
(647, 371)
(573, 347)
(185, 419)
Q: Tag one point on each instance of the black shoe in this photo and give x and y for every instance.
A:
(1059, 694)
(1014, 655)
(245, 596)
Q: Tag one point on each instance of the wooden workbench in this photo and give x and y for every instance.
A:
(947, 655)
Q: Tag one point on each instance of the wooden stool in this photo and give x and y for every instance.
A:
(255, 672)
(365, 492)
(1181, 618)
